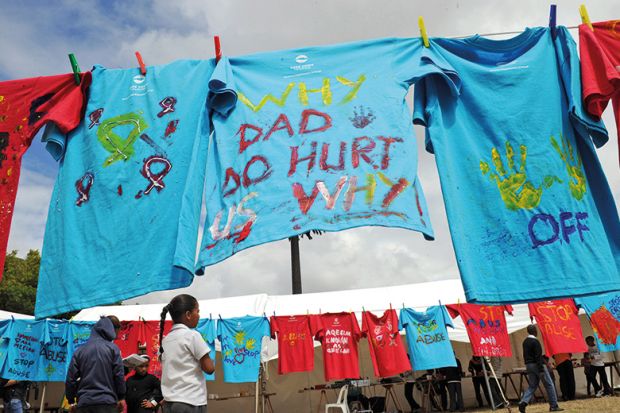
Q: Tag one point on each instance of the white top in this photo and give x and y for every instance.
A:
(181, 376)
(595, 355)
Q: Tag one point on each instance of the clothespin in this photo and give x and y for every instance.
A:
(423, 32)
(75, 67)
(585, 18)
(220, 317)
(210, 316)
(552, 19)
(218, 48)
(363, 309)
(141, 63)
(403, 305)
(390, 305)
(439, 303)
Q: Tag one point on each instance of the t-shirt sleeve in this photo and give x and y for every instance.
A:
(570, 71)
(355, 328)
(265, 328)
(453, 310)
(402, 320)
(274, 327)
(411, 61)
(446, 317)
(219, 329)
(599, 75)
(573, 306)
(395, 325)
(222, 97)
(316, 326)
(508, 308)
(197, 345)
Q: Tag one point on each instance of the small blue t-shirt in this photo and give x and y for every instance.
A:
(5, 328)
(427, 337)
(241, 339)
(24, 349)
(604, 313)
(78, 333)
(320, 138)
(125, 210)
(531, 214)
(206, 328)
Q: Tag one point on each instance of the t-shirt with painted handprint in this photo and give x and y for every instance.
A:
(295, 343)
(604, 313)
(387, 350)
(524, 191)
(241, 339)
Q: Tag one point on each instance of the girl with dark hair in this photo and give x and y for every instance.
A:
(184, 356)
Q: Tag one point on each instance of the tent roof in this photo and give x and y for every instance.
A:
(417, 296)
(7, 314)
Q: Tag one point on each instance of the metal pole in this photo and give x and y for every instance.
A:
(497, 383)
(295, 265)
(486, 379)
(42, 406)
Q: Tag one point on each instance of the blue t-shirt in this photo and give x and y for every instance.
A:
(206, 328)
(23, 351)
(319, 138)
(530, 211)
(604, 313)
(241, 339)
(78, 333)
(427, 337)
(5, 327)
(124, 214)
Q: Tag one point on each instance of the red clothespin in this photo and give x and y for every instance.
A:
(141, 63)
(218, 48)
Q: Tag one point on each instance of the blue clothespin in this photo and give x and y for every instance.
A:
(552, 20)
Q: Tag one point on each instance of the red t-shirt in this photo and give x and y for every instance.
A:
(486, 328)
(135, 334)
(605, 325)
(25, 106)
(559, 326)
(339, 334)
(295, 344)
(599, 50)
(387, 351)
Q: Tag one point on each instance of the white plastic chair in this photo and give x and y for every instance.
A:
(341, 403)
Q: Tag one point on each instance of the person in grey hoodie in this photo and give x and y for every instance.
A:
(96, 376)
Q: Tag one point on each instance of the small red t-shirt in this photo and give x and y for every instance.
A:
(136, 334)
(339, 334)
(387, 351)
(25, 106)
(559, 326)
(486, 328)
(295, 343)
(599, 50)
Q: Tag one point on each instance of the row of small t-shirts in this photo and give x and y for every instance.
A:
(41, 350)
(318, 138)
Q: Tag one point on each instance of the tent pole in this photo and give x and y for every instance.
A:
(256, 396)
(486, 380)
(501, 391)
(295, 264)
(42, 406)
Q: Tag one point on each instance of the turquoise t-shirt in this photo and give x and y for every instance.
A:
(320, 138)
(427, 337)
(604, 313)
(206, 328)
(5, 327)
(241, 339)
(124, 214)
(530, 211)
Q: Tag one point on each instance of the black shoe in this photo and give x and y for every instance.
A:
(556, 409)
(522, 407)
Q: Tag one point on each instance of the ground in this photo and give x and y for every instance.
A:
(602, 405)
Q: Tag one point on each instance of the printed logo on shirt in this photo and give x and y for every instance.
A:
(303, 66)
(140, 87)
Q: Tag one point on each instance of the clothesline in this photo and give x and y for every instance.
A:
(501, 33)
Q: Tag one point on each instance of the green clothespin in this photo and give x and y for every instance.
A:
(75, 67)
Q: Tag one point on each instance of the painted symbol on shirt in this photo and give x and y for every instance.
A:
(362, 117)
(158, 150)
(614, 306)
(171, 128)
(34, 115)
(168, 105)
(574, 167)
(4, 144)
(94, 117)
(83, 186)
(605, 325)
(514, 188)
(156, 179)
(425, 327)
(121, 149)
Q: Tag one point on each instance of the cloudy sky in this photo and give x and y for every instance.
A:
(36, 37)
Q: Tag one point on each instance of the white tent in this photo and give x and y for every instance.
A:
(4, 315)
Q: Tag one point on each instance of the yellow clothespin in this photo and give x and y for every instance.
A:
(585, 18)
(423, 31)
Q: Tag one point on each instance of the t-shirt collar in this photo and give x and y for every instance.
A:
(179, 326)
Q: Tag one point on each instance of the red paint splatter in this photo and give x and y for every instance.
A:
(245, 232)
(119, 190)
(210, 246)
(396, 189)
(171, 128)
(297, 227)
(82, 186)
(139, 195)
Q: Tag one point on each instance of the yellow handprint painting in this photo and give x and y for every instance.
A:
(574, 167)
(516, 190)
(250, 344)
(239, 337)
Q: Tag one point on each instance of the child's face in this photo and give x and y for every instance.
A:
(192, 317)
(142, 369)
(590, 342)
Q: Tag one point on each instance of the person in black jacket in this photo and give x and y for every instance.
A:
(14, 395)
(143, 390)
(536, 370)
(95, 376)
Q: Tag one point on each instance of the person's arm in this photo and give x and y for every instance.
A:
(118, 373)
(206, 364)
(71, 382)
(157, 396)
(200, 351)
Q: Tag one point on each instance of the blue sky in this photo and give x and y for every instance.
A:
(37, 36)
